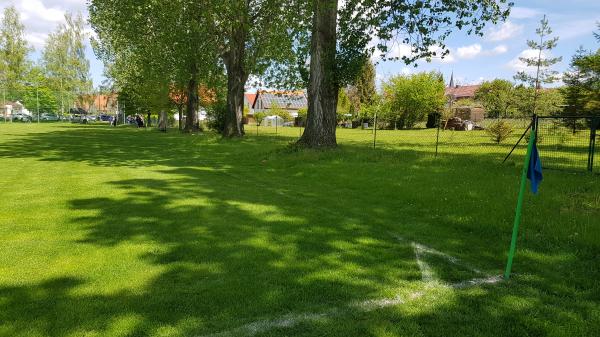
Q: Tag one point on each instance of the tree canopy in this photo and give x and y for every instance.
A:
(13, 53)
(409, 98)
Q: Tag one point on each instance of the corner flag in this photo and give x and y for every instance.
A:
(534, 172)
(532, 169)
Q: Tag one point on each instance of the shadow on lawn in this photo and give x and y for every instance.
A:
(237, 247)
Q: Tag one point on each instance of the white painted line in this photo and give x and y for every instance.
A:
(290, 320)
(286, 321)
(477, 281)
(427, 274)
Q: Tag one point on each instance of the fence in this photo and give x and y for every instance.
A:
(566, 143)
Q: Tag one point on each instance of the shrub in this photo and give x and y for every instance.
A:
(259, 117)
(499, 131)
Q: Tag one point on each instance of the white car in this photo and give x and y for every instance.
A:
(19, 116)
(48, 117)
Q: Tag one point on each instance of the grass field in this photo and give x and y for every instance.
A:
(129, 232)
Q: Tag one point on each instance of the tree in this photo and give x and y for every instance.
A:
(64, 61)
(582, 84)
(42, 97)
(499, 131)
(497, 98)
(363, 91)
(542, 62)
(259, 117)
(409, 98)
(250, 36)
(13, 53)
(340, 42)
(549, 101)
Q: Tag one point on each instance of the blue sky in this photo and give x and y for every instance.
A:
(473, 59)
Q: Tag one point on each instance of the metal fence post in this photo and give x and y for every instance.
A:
(437, 137)
(592, 147)
(375, 130)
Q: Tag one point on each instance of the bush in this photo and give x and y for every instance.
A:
(499, 131)
(216, 116)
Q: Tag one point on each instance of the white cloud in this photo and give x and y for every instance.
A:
(524, 13)
(517, 65)
(468, 52)
(41, 17)
(506, 31)
(500, 49)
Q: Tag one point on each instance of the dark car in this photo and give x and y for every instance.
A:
(106, 118)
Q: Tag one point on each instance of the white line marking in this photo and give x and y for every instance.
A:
(427, 274)
(290, 320)
(286, 321)
(477, 281)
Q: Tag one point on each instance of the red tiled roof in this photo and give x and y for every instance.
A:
(250, 98)
(462, 91)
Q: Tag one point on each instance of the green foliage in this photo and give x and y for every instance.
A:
(582, 84)
(363, 91)
(499, 131)
(65, 64)
(543, 61)
(549, 101)
(42, 96)
(497, 98)
(13, 53)
(408, 99)
(302, 112)
(259, 117)
(216, 115)
(278, 111)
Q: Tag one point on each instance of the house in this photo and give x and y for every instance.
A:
(291, 101)
(461, 91)
(456, 92)
(11, 108)
(101, 104)
(473, 112)
(249, 99)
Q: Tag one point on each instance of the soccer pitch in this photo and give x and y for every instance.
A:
(131, 232)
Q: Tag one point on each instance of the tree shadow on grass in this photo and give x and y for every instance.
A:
(311, 231)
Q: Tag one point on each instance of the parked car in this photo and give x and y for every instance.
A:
(91, 118)
(21, 117)
(48, 117)
(106, 118)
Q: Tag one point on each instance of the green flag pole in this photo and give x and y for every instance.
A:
(513, 242)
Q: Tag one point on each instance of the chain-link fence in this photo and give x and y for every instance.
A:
(567, 142)
(563, 142)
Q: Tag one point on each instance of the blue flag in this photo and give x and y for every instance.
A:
(534, 173)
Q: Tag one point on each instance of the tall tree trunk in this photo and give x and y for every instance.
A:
(322, 86)
(191, 119)
(180, 111)
(236, 80)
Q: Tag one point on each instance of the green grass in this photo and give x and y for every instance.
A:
(127, 232)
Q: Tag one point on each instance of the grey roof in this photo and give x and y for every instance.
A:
(284, 100)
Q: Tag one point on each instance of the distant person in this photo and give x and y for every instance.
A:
(139, 121)
(113, 122)
(148, 120)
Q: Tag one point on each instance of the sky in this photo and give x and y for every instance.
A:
(472, 59)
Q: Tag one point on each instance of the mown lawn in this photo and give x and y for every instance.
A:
(128, 232)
